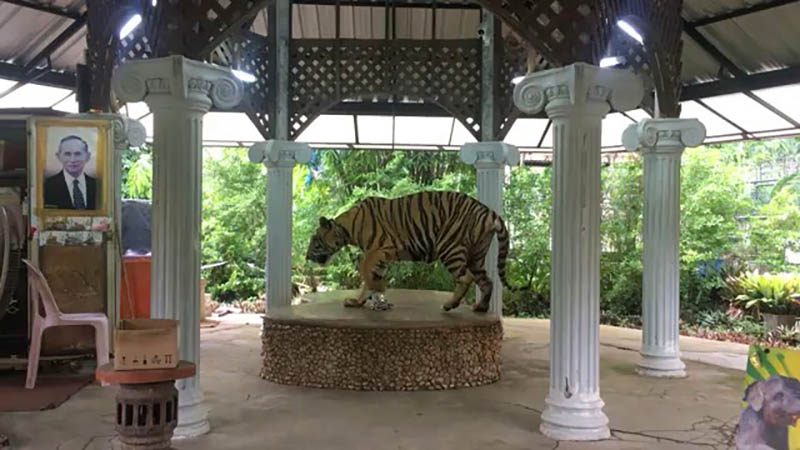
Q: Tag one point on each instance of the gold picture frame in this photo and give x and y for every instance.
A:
(53, 195)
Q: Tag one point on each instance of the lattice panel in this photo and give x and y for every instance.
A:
(456, 82)
(560, 30)
(250, 52)
(661, 25)
(137, 44)
(257, 60)
(513, 64)
(313, 85)
(324, 72)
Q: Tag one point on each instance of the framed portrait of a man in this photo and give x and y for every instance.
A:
(70, 160)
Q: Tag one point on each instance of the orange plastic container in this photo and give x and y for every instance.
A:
(135, 288)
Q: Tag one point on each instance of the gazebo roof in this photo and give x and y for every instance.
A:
(740, 66)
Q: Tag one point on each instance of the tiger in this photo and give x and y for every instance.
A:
(426, 226)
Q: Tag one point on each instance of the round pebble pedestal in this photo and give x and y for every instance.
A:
(413, 346)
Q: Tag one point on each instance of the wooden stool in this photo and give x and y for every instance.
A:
(147, 404)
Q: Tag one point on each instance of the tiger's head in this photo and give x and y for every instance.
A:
(326, 241)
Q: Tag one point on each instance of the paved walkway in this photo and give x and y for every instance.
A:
(250, 413)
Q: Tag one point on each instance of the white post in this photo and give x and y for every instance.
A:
(661, 143)
(279, 157)
(576, 98)
(179, 92)
(490, 160)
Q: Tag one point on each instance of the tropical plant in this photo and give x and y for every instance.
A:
(784, 337)
(766, 293)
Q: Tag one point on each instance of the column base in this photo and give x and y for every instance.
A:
(576, 419)
(661, 366)
(192, 414)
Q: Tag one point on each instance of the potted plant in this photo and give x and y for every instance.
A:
(776, 297)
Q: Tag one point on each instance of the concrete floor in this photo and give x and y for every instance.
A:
(247, 412)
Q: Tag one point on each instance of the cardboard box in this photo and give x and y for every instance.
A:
(146, 344)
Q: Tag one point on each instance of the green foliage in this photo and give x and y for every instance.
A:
(140, 178)
(234, 228)
(712, 197)
(526, 212)
(621, 229)
(721, 225)
(766, 293)
(775, 226)
(137, 172)
(717, 320)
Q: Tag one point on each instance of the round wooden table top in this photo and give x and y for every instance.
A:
(106, 373)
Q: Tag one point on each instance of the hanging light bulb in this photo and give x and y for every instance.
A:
(130, 25)
(631, 31)
(612, 61)
(244, 76)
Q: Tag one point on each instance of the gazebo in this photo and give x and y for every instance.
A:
(550, 71)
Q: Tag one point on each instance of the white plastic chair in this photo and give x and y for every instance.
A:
(41, 295)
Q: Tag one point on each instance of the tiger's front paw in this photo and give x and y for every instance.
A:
(450, 305)
(353, 303)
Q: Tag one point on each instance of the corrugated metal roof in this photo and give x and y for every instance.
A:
(25, 32)
(760, 41)
(700, 9)
(756, 42)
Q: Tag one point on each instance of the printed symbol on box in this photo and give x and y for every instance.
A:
(144, 360)
(155, 360)
(136, 360)
(123, 359)
(168, 359)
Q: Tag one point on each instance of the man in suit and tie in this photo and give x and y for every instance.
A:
(71, 188)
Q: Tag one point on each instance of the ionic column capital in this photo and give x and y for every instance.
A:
(489, 154)
(278, 153)
(664, 136)
(128, 132)
(177, 79)
(578, 88)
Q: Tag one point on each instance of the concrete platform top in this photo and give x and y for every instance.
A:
(412, 309)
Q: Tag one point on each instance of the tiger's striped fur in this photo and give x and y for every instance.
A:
(426, 226)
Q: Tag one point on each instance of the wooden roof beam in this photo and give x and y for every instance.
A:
(763, 80)
(65, 80)
(398, 4)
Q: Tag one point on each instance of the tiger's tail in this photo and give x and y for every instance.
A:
(502, 250)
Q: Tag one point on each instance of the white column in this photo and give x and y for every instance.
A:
(576, 98)
(661, 143)
(490, 160)
(179, 92)
(279, 157)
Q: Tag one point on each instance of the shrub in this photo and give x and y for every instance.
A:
(766, 293)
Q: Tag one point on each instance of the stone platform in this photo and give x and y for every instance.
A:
(413, 346)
